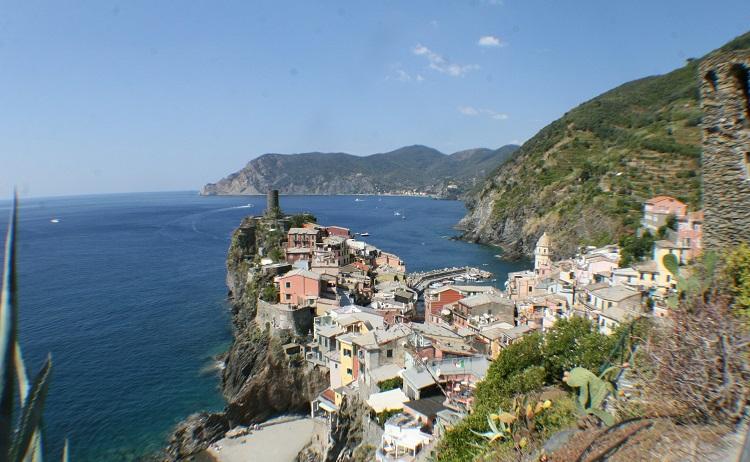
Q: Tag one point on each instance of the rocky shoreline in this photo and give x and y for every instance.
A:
(258, 381)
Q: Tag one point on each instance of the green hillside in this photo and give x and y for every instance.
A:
(584, 177)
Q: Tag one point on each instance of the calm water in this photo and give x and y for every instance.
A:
(127, 293)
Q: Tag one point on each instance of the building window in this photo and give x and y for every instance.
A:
(609, 305)
(288, 296)
(348, 371)
(288, 285)
(347, 352)
(742, 83)
(389, 353)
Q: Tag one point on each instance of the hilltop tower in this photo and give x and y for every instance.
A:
(542, 263)
(273, 210)
(725, 101)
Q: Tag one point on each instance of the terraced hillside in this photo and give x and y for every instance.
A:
(584, 177)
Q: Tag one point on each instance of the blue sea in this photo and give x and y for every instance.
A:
(127, 293)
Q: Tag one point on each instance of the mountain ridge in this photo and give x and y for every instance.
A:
(583, 177)
(415, 169)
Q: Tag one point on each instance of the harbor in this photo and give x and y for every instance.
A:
(439, 277)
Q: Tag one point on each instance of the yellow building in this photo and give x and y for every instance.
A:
(347, 355)
(665, 280)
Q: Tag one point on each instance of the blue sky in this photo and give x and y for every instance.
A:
(142, 96)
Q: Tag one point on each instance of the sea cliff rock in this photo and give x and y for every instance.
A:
(259, 380)
(195, 434)
(345, 437)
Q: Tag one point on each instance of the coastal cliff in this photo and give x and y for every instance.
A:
(259, 380)
(408, 170)
(583, 178)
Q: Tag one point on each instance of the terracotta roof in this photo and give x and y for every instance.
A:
(301, 272)
(329, 395)
(659, 199)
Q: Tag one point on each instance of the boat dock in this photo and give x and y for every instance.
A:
(464, 274)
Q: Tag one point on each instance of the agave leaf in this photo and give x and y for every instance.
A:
(31, 414)
(493, 427)
(8, 333)
(23, 380)
(35, 455)
(65, 451)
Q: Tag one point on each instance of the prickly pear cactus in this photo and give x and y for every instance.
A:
(592, 391)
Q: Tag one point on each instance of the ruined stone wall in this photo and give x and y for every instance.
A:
(725, 101)
(281, 317)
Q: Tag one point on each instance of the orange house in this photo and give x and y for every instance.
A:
(299, 287)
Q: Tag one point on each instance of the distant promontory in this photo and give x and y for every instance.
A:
(409, 170)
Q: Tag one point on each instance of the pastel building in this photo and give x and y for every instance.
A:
(436, 299)
(657, 210)
(300, 287)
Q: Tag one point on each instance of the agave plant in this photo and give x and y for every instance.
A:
(20, 438)
(517, 426)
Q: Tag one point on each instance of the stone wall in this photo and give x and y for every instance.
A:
(725, 101)
(280, 316)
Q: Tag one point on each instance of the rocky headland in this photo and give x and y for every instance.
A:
(408, 170)
(259, 380)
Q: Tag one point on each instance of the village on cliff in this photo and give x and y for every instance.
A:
(414, 346)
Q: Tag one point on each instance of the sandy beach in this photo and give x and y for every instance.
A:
(280, 442)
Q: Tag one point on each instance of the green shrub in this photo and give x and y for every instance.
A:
(737, 272)
(527, 366)
(390, 384)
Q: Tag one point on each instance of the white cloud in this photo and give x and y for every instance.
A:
(472, 112)
(468, 110)
(442, 65)
(490, 41)
(401, 75)
(494, 2)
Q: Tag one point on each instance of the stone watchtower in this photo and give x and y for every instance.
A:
(725, 101)
(273, 210)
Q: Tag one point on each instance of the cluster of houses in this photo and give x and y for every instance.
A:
(352, 304)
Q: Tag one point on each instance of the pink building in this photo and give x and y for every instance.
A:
(303, 237)
(338, 231)
(389, 259)
(300, 287)
(690, 233)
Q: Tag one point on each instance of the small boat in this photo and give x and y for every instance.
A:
(358, 200)
(364, 234)
(459, 279)
(396, 214)
(54, 220)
